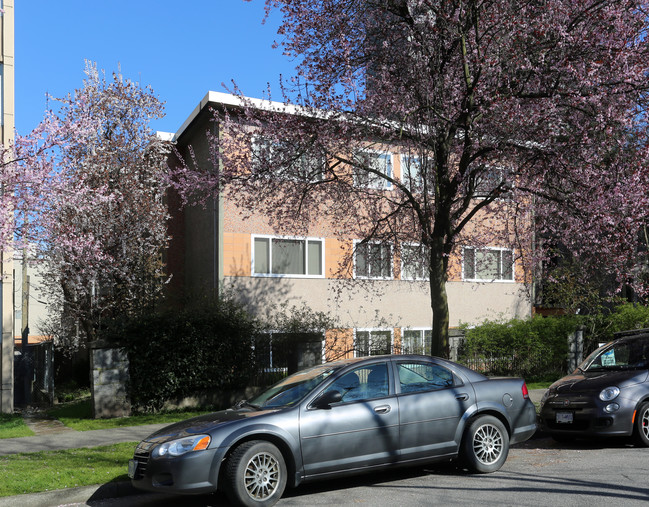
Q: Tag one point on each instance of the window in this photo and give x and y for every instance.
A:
(377, 161)
(364, 383)
(414, 262)
(413, 173)
(373, 260)
(416, 341)
(287, 256)
(285, 161)
(488, 264)
(419, 377)
(489, 178)
(372, 342)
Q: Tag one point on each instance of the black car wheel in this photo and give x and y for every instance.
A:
(486, 445)
(256, 474)
(641, 432)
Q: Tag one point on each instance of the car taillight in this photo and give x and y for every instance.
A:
(526, 393)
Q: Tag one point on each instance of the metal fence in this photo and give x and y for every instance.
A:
(34, 374)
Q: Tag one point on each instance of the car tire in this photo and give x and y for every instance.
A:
(485, 445)
(641, 430)
(255, 474)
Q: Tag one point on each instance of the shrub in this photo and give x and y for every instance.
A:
(535, 349)
(624, 317)
(184, 352)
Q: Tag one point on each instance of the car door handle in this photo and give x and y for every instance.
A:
(462, 396)
(382, 409)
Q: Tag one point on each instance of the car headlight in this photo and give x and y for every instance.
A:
(609, 393)
(182, 445)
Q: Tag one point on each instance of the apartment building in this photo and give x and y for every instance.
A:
(380, 301)
(7, 133)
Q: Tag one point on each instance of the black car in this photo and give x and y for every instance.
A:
(351, 416)
(607, 395)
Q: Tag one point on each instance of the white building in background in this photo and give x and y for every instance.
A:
(6, 258)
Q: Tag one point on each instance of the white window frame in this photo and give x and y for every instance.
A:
(384, 184)
(424, 276)
(422, 336)
(495, 280)
(371, 330)
(370, 277)
(270, 239)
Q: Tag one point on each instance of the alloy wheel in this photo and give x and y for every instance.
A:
(488, 444)
(261, 476)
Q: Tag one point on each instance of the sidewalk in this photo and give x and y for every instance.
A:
(70, 439)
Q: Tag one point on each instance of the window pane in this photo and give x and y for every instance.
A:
(377, 381)
(487, 264)
(380, 342)
(362, 343)
(381, 162)
(381, 260)
(261, 255)
(349, 386)
(412, 171)
(413, 262)
(315, 257)
(373, 260)
(417, 377)
(361, 260)
(428, 340)
(508, 265)
(469, 263)
(288, 257)
(411, 343)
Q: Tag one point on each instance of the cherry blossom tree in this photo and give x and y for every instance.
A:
(100, 216)
(512, 117)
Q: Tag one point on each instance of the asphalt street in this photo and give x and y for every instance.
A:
(539, 472)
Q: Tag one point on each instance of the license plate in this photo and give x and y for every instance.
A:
(132, 467)
(564, 417)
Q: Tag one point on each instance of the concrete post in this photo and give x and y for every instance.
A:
(575, 349)
(109, 367)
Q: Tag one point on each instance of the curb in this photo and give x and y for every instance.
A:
(72, 495)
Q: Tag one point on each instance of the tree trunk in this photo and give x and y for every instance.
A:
(439, 305)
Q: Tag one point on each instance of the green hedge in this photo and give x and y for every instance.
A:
(622, 318)
(184, 352)
(535, 349)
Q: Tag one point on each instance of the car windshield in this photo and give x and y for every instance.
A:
(622, 355)
(292, 389)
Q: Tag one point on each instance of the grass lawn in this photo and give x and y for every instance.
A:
(538, 385)
(45, 471)
(13, 426)
(78, 415)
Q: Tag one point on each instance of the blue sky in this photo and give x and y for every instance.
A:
(182, 49)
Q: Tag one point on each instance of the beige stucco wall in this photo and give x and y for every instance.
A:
(393, 303)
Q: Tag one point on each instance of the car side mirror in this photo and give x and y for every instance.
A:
(327, 399)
